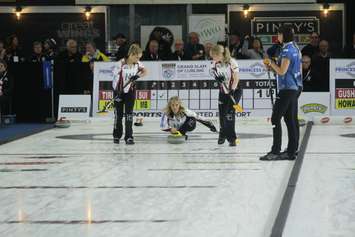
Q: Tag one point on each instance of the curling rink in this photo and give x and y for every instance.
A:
(76, 182)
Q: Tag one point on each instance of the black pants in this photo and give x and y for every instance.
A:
(188, 126)
(296, 119)
(285, 106)
(124, 107)
(227, 115)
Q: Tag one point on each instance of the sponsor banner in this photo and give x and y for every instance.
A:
(264, 21)
(74, 107)
(313, 104)
(207, 114)
(211, 28)
(342, 86)
(266, 27)
(345, 103)
(345, 93)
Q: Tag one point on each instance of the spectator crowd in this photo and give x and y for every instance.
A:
(162, 46)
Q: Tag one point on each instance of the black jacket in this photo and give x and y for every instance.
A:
(122, 51)
(147, 56)
(177, 56)
(64, 57)
(349, 51)
(194, 49)
(310, 50)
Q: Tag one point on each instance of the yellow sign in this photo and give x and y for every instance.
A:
(142, 105)
(103, 105)
(345, 103)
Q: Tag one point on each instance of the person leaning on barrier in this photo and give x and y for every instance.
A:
(289, 81)
(6, 87)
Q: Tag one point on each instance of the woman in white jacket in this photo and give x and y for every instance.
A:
(178, 120)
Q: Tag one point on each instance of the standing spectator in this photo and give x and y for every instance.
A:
(93, 54)
(256, 51)
(307, 73)
(208, 47)
(349, 50)
(37, 54)
(70, 54)
(6, 87)
(235, 45)
(320, 67)
(312, 48)
(179, 53)
(50, 46)
(2, 50)
(151, 52)
(14, 52)
(122, 46)
(194, 50)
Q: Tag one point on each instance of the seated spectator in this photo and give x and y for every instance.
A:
(14, 53)
(274, 51)
(312, 48)
(70, 54)
(307, 73)
(235, 45)
(151, 52)
(50, 46)
(2, 50)
(6, 88)
(179, 53)
(194, 50)
(320, 67)
(349, 50)
(208, 47)
(122, 46)
(256, 51)
(37, 54)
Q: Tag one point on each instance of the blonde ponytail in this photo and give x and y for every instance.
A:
(134, 49)
(220, 50)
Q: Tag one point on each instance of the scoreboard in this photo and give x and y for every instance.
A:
(192, 82)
